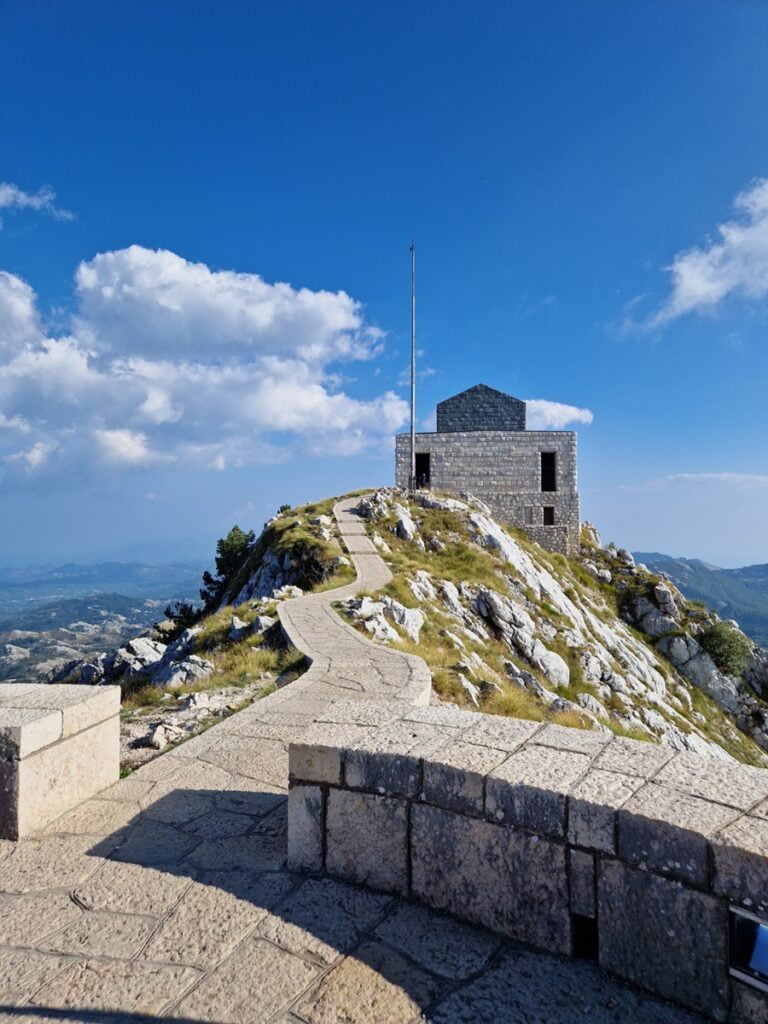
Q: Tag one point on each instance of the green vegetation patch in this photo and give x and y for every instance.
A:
(729, 649)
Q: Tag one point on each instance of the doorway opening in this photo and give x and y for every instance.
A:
(423, 469)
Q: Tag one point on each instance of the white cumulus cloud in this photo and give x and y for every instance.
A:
(736, 263)
(542, 414)
(167, 361)
(152, 302)
(124, 446)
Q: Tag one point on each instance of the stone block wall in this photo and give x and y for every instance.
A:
(576, 842)
(59, 745)
(503, 468)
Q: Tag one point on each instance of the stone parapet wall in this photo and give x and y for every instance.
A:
(503, 468)
(576, 842)
(59, 745)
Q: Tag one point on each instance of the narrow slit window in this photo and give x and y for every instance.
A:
(549, 515)
(549, 471)
(530, 512)
(585, 938)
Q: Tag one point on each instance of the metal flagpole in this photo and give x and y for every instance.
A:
(413, 370)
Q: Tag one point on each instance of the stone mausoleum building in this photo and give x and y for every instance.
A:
(526, 477)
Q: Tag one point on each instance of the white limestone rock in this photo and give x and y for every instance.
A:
(405, 528)
(380, 629)
(182, 673)
(591, 704)
(591, 534)
(598, 572)
(472, 691)
(196, 702)
(183, 645)
(410, 619)
(380, 543)
(422, 588)
(450, 595)
(261, 624)
(625, 557)
(372, 507)
(427, 500)
(138, 657)
(238, 628)
(525, 681)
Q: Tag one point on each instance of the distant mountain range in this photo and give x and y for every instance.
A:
(53, 614)
(22, 589)
(740, 594)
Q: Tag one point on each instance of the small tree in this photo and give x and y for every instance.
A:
(183, 614)
(230, 552)
(727, 647)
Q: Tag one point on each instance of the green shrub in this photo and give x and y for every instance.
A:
(729, 649)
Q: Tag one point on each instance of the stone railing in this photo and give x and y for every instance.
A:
(59, 745)
(575, 842)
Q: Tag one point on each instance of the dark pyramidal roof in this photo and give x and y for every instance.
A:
(480, 408)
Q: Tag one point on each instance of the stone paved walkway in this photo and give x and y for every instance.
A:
(167, 895)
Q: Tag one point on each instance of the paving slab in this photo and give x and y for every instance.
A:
(447, 948)
(324, 919)
(377, 985)
(23, 972)
(27, 920)
(100, 934)
(256, 982)
(534, 988)
(215, 914)
(128, 987)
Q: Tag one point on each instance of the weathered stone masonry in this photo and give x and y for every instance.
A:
(578, 843)
(481, 446)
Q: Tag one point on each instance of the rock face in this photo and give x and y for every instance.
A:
(566, 645)
(163, 665)
(659, 610)
(183, 673)
(138, 657)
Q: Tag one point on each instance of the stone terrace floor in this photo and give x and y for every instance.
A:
(167, 895)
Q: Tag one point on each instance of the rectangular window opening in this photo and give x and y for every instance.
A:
(748, 948)
(549, 471)
(549, 515)
(584, 935)
(423, 469)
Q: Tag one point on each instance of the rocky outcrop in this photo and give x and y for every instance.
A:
(374, 615)
(566, 644)
(161, 664)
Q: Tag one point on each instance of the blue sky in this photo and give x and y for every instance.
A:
(204, 257)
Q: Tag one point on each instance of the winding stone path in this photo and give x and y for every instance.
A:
(167, 895)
